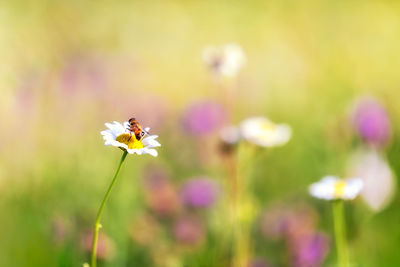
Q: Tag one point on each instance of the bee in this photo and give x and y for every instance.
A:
(136, 129)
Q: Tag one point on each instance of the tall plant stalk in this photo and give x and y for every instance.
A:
(97, 224)
(340, 233)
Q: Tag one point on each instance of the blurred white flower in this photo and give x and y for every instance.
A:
(379, 182)
(331, 187)
(118, 135)
(263, 132)
(226, 60)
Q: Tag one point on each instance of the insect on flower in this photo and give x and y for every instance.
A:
(136, 129)
(120, 135)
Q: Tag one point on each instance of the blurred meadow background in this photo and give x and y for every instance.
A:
(68, 67)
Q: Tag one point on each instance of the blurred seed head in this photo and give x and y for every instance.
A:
(200, 192)
(229, 139)
(230, 135)
(371, 122)
(378, 178)
(204, 117)
(225, 61)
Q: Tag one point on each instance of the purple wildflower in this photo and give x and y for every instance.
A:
(203, 118)
(200, 192)
(310, 251)
(296, 225)
(288, 222)
(372, 122)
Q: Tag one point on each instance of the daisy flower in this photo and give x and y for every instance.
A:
(118, 135)
(331, 187)
(263, 132)
(226, 60)
(334, 188)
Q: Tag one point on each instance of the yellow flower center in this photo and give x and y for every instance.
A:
(266, 131)
(130, 141)
(267, 126)
(339, 188)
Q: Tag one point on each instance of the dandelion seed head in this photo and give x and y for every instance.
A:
(225, 61)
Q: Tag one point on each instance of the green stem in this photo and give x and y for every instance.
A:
(241, 225)
(340, 233)
(97, 224)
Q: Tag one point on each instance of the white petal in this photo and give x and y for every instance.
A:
(353, 188)
(115, 128)
(108, 135)
(324, 189)
(152, 152)
(119, 127)
(150, 141)
(283, 134)
(126, 125)
(131, 151)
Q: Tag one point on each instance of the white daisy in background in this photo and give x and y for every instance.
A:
(118, 135)
(332, 187)
(378, 178)
(226, 60)
(263, 132)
